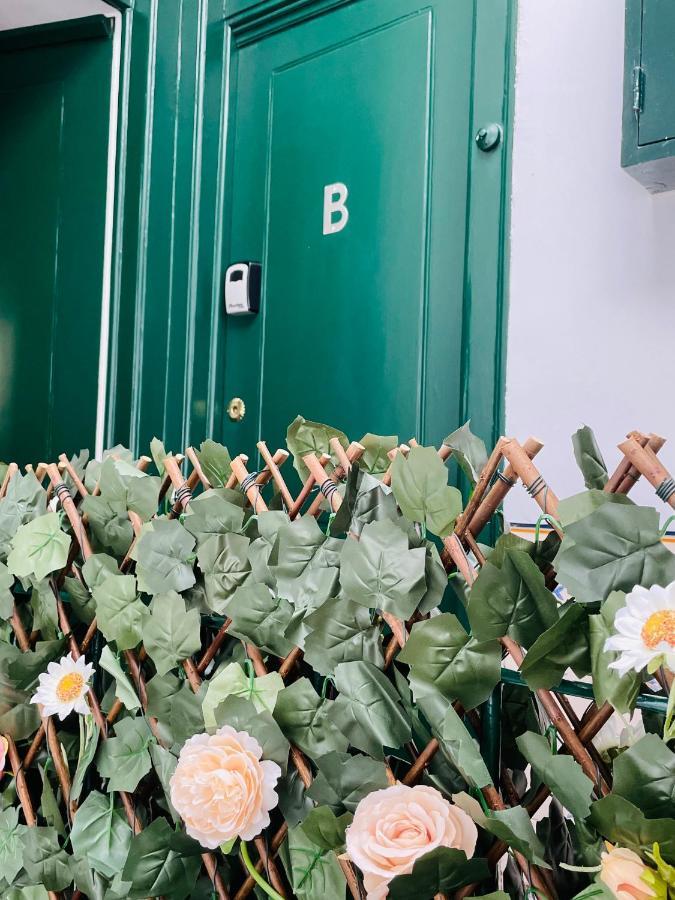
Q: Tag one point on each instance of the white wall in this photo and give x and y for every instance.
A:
(592, 277)
(17, 13)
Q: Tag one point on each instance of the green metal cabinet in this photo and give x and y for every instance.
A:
(648, 151)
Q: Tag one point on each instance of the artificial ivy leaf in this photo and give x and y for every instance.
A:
(561, 773)
(27, 667)
(89, 734)
(608, 686)
(232, 681)
(100, 834)
(304, 718)
(597, 890)
(309, 592)
(468, 451)
(211, 514)
(589, 458)
(325, 829)
(443, 657)
(216, 462)
(164, 557)
(97, 568)
(365, 500)
(39, 548)
(463, 750)
(510, 598)
(171, 634)
(120, 615)
(124, 689)
(341, 631)
(564, 645)
(6, 596)
(124, 759)
(344, 780)
(223, 558)
(380, 572)
(176, 707)
(645, 775)
(25, 499)
(43, 605)
(443, 870)
(624, 824)
(437, 580)
(296, 545)
(261, 618)
(49, 805)
(368, 709)
(11, 842)
(19, 718)
(161, 862)
(81, 600)
(159, 454)
(315, 874)
(109, 523)
(614, 548)
(164, 764)
(375, 460)
(420, 485)
(513, 826)
(44, 860)
(580, 505)
(243, 716)
(304, 437)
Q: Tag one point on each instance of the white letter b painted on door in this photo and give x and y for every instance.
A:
(335, 202)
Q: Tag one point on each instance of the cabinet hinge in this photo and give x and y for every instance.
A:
(638, 89)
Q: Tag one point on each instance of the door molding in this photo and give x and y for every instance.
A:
(252, 20)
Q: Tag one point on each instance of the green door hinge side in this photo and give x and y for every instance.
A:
(638, 89)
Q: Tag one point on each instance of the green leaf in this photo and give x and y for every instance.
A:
(161, 863)
(614, 548)
(443, 657)
(341, 631)
(325, 829)
(344, 780)
(243, 716)
(11, 842)
(124, 690)
(26, 668)
(164, 558)
(120, 615)
(578, 506)
(365, 500)
(510, 598)
(89, 734)
(645, 775)
(368, 709)
(420, 485)
(463, 750)
(109, 523)
(608, 686)
(304, 718)
(39, 548)
(44, 860)
(25, 499)
(176, 707)
(564, 645)
(158, 453)
(374, 460)
(164, 764)
(211, 514)
(6, 596)
(314, 873)
(310, 591)
(43, 605)
(223, 558)
(261, 618)
(622, 823)
(232, 681)
(97, 568)
(380, 572)
(172, 634)
(124, 759)
(49, 806)
(513, 826)
(304, 437)
(589, 458)
(100, 834)
(468, 451)
(561, 773)
(216, 463)
(443, 870)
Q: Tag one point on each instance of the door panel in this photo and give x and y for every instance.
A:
(54, 106)
(365, 317)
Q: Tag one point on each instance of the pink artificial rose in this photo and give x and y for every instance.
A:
(4, 747)
(394, 827)
(221, 788)
(622, 872)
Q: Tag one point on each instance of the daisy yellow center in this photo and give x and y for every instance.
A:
(660, 626)
(69, 687)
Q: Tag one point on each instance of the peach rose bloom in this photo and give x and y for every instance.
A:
(622, 871)
(221, 788)
(4, 747)
(395, 826)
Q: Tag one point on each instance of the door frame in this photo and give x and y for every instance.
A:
(487, 218)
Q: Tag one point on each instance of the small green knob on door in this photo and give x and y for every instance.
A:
(489, 137)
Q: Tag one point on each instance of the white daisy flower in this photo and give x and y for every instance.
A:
(63, 687)
(619, 733)
(645, 630)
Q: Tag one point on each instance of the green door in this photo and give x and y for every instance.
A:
(350, 157)
(55, 114)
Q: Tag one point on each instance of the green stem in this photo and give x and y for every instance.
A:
(669, 728)
(256, 876)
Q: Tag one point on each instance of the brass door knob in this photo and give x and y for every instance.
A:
(236, 409)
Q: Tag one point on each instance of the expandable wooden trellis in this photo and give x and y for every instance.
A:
(576, 733)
